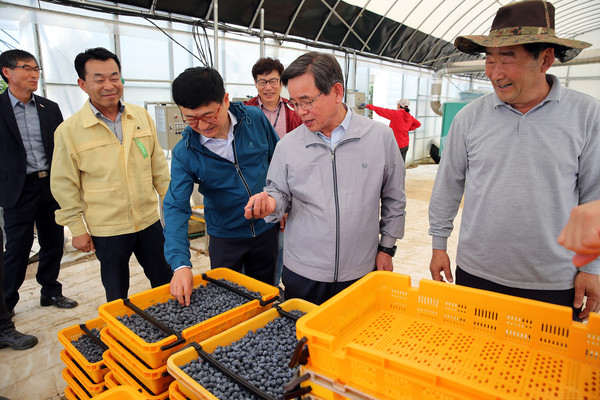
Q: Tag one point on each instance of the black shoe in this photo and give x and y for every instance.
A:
(58, 301)
(15, 339)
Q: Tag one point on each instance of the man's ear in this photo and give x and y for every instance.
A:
(338, 89)
(548, 58)
(81, 84)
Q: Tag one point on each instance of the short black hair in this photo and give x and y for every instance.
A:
(324, 67)
(265, 65)
(10, 59)
(535, 49)
(97, 53)
(198, 86)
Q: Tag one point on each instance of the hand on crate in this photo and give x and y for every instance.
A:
(182, 285)
(587, 285)
(440, 262)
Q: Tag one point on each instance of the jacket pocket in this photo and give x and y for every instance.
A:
(104, 204)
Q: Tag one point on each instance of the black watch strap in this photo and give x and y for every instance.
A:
(388, 250)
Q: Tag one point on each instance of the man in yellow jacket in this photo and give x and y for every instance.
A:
(108, 169)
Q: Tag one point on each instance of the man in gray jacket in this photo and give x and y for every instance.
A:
(333, 175)
(524, 156)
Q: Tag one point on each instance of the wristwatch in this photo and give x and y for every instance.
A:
(388, 250)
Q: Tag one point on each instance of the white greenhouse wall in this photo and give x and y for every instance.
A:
(150, 61)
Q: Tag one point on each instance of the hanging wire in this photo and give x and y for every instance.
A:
(202, 44)
(173, 39)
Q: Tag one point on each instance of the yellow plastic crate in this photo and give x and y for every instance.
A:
(95, 371)
(123, 392)
(92, 388)
(323, 388)
(70, 394)
(157, 380)
(156, 354)
(76, 387)
(193, 389)
(384, 337)
(124, 377)
(175, 393)
(110, 381)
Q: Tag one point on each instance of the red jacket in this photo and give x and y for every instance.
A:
(292, 120)
(400, 121)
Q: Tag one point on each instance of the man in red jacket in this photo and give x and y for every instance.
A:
(266, 73)
(400, 121)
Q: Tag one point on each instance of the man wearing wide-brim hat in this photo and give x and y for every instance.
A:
(523, 156)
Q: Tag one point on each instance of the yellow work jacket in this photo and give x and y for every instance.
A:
(100, 184)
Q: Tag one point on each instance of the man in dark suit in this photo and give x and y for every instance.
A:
(27, 125)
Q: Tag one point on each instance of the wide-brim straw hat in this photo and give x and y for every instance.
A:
(529, 21)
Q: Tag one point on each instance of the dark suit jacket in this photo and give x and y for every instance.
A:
(13, 159)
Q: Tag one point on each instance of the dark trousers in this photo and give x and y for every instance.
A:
(5, 317)
(255, 257)
(403, 152)
(299, 287)
(36, 205)
(560, 297)
(114, 253)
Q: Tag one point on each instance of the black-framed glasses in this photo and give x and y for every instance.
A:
(27, 68)
(303, 104)
(206, 118)
(263, 82)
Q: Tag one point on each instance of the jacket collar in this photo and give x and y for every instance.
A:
(352, 131)
(89, 118)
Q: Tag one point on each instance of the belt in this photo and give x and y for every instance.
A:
(39, 174)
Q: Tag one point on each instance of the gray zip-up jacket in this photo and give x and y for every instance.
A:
(334, 199)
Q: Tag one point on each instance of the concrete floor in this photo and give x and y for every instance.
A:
(36, 373)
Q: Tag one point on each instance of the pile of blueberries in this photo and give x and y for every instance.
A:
(261, 358)
(88, 348)
(205, 303)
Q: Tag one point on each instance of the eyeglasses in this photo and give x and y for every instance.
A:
(27, 68)
(303, 104)
(206, 118)
(263, 82)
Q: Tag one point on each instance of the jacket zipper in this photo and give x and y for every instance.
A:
(337, 205)
(239, 171)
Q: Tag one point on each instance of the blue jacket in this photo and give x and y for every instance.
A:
(226, 186)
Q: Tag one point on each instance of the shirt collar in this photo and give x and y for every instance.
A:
(14, 101)
(262, 105)
(97, 113)
(345, 122)
(553, 95)
(233, 119)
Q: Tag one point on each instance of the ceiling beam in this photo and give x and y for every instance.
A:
(326, 21)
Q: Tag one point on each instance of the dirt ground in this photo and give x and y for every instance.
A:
(37, 373)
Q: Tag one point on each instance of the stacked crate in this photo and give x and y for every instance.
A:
(135, 362)
(384, 339)
(185, 387)
(84, 379)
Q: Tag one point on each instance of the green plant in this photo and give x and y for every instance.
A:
(3, 86)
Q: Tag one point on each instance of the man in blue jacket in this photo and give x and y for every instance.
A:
(226, 150)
